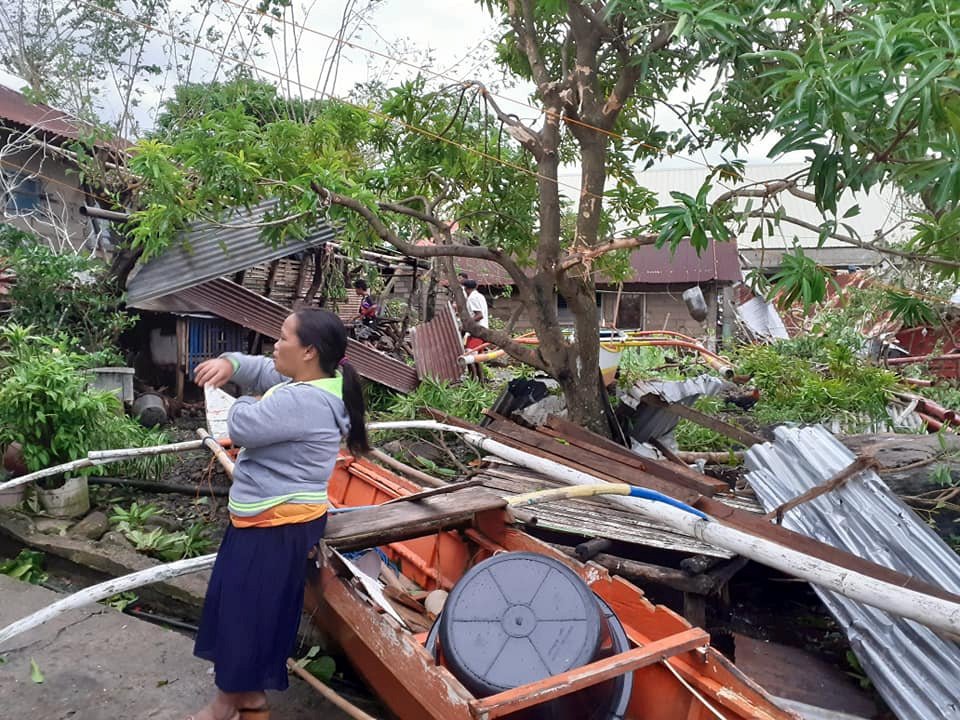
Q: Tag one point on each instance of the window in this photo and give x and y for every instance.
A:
(565, 314)
(24, 195)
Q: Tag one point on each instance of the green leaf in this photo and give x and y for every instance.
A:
(35, 674)
(322, 668)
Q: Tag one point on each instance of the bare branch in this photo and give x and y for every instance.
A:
(768, 190)
(587, 256)
(915, 257)
(520, 13)
(421, 251)
(529, 138)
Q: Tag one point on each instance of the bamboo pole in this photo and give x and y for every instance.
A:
(103, 590)
(349, 708)
(102, 457)
(217, 449)
(152, 450)
(924, 609)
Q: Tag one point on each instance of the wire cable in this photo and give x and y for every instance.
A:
(330, 96)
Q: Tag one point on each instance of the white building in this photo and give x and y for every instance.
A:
(879, 211)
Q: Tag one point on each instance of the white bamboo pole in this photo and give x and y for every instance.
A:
(102, 457)
(924, 609)
(94, 593)
(139, 452)
(55, 470)
(920, 607)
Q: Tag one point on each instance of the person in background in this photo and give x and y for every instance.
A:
(278, 503)
(367, 310)
(477, 309)
(462, 277)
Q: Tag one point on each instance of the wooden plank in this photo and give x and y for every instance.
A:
(551, 688)
(587, 440)
(606, 467)
(370, 527)
(724, 428)
(595, 517)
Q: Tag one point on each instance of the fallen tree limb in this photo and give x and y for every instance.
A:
(926, 609)
(403, 468)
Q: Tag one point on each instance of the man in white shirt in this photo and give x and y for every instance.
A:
(477, 307)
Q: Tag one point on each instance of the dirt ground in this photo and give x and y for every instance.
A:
(99, 664)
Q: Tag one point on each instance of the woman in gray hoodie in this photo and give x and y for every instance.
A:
(290, 435)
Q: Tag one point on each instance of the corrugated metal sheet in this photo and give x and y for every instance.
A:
(659, 266)
(913, 668)
(204, 252)
(15, 108)
(648, 422)
(762, 319)
(382, 368)
(437, 347)
(236, 303)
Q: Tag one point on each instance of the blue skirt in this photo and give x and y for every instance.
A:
(252, 610)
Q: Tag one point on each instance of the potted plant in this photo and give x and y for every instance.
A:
(46, 408)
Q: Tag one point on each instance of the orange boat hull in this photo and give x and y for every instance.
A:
(397, 666)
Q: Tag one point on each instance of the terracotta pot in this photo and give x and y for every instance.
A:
(11, 497)
(13, 460)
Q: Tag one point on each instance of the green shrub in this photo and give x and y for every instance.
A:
(45, 405)
(62, 293)
(467, 400)
(816, 379)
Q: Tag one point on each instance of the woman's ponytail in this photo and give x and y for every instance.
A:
(325, 331)
(357, 440)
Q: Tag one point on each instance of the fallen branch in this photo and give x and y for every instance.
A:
(925, 609)
(402, 467)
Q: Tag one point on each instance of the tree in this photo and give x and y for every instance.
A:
(98, 59)
(604, 74)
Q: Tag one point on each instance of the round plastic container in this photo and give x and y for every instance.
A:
(522, 617)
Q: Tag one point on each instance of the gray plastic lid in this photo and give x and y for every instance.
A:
(517, 618)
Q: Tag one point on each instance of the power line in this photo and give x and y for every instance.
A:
(444, 76)
(369, 111)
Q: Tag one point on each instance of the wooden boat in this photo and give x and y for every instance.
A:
(675, 673)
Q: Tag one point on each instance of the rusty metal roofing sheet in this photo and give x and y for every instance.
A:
(651, 265)
(237, 304)
(437, 347)
(17, 109)
(205, 251)
(660, 266)
(913, 668)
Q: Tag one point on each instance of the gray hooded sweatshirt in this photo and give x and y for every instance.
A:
(290, 437)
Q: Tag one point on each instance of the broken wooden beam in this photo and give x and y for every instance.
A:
(647, 572)
(724, 428)
(385, 524)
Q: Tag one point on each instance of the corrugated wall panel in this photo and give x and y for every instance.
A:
(244, 307)
(437, 347)
(205, 251)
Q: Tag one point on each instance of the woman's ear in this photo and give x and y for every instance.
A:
(310, 353)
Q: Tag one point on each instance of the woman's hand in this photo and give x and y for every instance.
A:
(214, 372)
